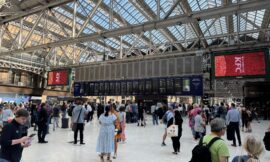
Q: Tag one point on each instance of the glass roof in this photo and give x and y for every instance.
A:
(133, 12)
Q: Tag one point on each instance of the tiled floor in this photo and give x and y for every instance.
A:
(143, 145)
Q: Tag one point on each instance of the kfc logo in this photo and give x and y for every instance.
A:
(240, 64)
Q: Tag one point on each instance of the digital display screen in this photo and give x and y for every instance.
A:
(162, 86)
(155, 84)
(123, 88)
(59, 77)
(188, 86)
(129, 87)
(148, 86)
(246, 64)
(112, 88)
(178, 86)
(135, 87)
(170, 86)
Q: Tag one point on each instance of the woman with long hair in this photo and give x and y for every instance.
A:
(254, 148)
(177, 120)
(118, 130)
(105, 145)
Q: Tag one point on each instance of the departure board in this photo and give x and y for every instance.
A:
(91, 88)
(177, 86)
(135, 87)
(162, 86)
(96, 89)
(117, 88)
(141, 87)
(129, 88)
(102, 88)
(155, 88)
(107, 88)
(123, 87)
(187, 86)
(148, 86)
(112, 88)
(170, 86)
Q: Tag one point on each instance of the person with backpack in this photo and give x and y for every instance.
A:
(211, 147)
(254, 148)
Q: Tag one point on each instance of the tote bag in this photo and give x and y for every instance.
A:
(172, 131)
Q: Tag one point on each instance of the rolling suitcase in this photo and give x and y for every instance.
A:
(65, 123)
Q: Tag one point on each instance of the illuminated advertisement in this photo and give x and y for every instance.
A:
(60, 77)
(246, 64)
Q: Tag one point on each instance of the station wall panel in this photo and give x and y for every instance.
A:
(140, 69)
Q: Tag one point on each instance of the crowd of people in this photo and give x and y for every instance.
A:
(15, 120)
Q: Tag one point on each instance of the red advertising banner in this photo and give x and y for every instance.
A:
(246, 64)
(58, 77)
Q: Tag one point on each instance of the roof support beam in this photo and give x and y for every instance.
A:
(171, 9)
(32, 29)
(31, 11)
(265, 24)
(89, 17)
(229, 20)
(203, 15)
(195, 25)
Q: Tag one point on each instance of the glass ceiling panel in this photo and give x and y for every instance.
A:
(217, 28)
(198, 5)
(249, 21)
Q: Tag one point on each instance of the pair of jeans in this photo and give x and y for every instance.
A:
(155, 119)
(55, 122)
(80, 127)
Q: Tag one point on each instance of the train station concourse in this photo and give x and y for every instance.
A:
(135, 80)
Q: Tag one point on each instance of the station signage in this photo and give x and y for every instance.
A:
(243, 64)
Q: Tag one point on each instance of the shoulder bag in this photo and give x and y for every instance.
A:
(74, 125)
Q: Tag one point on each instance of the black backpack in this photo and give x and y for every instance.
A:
(70, 110)
(266, 141)
(201, 152)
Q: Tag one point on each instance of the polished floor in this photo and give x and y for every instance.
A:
(143, 145)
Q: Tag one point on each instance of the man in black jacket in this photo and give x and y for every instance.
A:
(12, 142)
(42, 124)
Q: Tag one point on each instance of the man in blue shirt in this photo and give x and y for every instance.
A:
(233, 120)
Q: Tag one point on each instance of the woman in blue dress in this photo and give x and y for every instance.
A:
(105, 145)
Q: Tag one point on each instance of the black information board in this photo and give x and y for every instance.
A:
(135, 87)
(162, 86)
(188, 85)
(155, 88)
(123, 88)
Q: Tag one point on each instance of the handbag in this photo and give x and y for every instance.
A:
(74, 125)
(172, 131)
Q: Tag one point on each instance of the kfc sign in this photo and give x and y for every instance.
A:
(58, 77)
(246, 64)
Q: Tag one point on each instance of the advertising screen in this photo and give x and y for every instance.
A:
(246, 64)
(59, 77)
